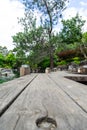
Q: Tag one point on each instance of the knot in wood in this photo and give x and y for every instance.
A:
(46, 122)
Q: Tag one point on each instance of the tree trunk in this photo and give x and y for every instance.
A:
(51, 61)
(51, 58)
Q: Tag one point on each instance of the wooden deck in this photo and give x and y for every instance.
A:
(43, 102)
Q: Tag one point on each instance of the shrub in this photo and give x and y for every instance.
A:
(63, 62)
(76, 60)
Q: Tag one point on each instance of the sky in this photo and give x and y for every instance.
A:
(10, 10)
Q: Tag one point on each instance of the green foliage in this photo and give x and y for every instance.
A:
(28, 22)
(10, 60)
(71, 39)
(83, 45)
(84, 38)
(34, 45)
(76, 60)
(2, 60)
(37, 45)
(45, 63)
(72, 30)
(1, 57)
(62, 62)
(43, 35)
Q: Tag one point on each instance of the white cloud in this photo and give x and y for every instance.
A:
(9, 11)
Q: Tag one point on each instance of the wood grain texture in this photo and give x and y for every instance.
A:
(43, 97)
(10, 90)
(76, 91)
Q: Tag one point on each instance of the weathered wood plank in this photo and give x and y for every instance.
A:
(76, 91)
(77, 78)
(10, 90)
(43, 98)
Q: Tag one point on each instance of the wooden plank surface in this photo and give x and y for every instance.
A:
(10, 90)
(76, 91)
(44, 99)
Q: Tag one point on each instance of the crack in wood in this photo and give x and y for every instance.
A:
(13, 100)
(16, 122)
(69, 95)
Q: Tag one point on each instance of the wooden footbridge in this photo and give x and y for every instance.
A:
(43, 102)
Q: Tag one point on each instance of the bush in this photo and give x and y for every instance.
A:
(63, 62)
(76, 60)
(45, 63)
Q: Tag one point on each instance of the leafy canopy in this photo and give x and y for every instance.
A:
(40, 41)
(72, 30)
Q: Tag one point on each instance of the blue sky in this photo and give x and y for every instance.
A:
(11, 9)
(78, 3)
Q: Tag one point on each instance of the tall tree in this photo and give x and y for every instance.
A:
(32, 40)
(50, 11)
(33, 43)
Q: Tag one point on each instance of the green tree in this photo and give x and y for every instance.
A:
(71, 33)
(31, 41)
(50, 11)
(31, 44)
(72, 30)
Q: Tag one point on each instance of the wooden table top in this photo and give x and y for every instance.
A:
(43, 102)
